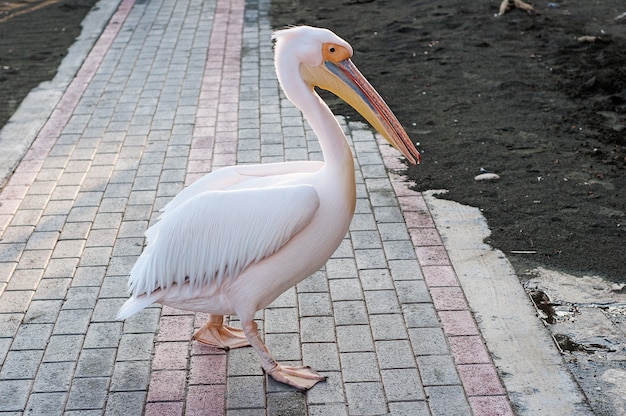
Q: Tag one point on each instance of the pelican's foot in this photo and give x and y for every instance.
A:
(302, 377)
(221, 336)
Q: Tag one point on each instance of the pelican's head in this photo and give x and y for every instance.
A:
(324, 60)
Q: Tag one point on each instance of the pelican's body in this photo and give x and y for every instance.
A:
(236, 239)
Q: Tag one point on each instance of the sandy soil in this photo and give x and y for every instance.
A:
(520, 96)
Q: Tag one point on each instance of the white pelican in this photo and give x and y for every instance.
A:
(237, 238)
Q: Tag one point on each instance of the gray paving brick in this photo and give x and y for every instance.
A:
(43, 311)
(350, 313)
(382, 301)
(437, 370)
(317, 329)
(75, 231)
(54, 377)
(388, 327)
(21, 365)
(366, 240)
(125, 403)
(354, 338)
(366, 398)
(394, 354)
(245, 392)
(60, 268)
(135, 347)
(314, 304)
(81, 297)
(103, 335)
(63, 348)
(9, 324)
(428, 341)
(87, 393)
(359, 367)
(405, 270)
(25, 280)
(345, 289)
(284, 347)
(130, 376)
(14, 394)
(412, 291)
(370, 259)
(16, 301)
(281, 320)
(32, 337)
(95, 256)
(45, 404)
(145, 321)
(341, 268)
(330, 391)
(244, 361)
(72, 321)
(96, 362)
(286, 403)
(321, 356)
(447, 401)
(332, 409)
(402, 385)
(416, 408)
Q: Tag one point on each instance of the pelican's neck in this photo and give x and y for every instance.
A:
(330, 135)
(333, 142)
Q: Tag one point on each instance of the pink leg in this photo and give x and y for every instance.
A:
(302, 377)
(216, 334)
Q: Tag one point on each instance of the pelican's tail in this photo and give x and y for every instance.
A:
(134, 305)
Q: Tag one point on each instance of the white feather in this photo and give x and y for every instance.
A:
(217, 234)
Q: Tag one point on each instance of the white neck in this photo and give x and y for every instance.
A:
(335, 148)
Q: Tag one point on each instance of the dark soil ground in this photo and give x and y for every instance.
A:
(520, 96)
(34, 37)
(517, 95)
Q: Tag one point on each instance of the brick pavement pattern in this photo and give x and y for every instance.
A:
(172, 90)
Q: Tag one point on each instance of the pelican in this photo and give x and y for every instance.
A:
(233, 241)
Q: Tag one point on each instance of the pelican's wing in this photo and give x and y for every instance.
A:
(236, 176)
(217, 234)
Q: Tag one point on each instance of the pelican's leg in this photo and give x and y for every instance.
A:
(301, 377)
(216, 334)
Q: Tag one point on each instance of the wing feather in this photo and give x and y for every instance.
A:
(217, 234)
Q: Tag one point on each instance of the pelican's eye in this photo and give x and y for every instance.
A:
(335, 53)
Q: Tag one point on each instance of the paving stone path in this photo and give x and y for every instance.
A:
(171, 90)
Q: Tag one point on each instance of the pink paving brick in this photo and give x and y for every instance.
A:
(206, 400)
(413, 202)
(448, 298)
(168, 310)
(175, 328)
(469, 350)
(491, 406)
(480, 379)
(458, 323)
(170, 356)
(418, 219)
(425, 237)
(198, 348)
(439, 276)
(164, 409)
(167, 385)
(432, 255)
(207, 369)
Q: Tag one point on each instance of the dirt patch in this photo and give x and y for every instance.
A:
(538, 99)
(34, 38)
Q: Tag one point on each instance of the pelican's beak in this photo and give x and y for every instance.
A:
(342, 78)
